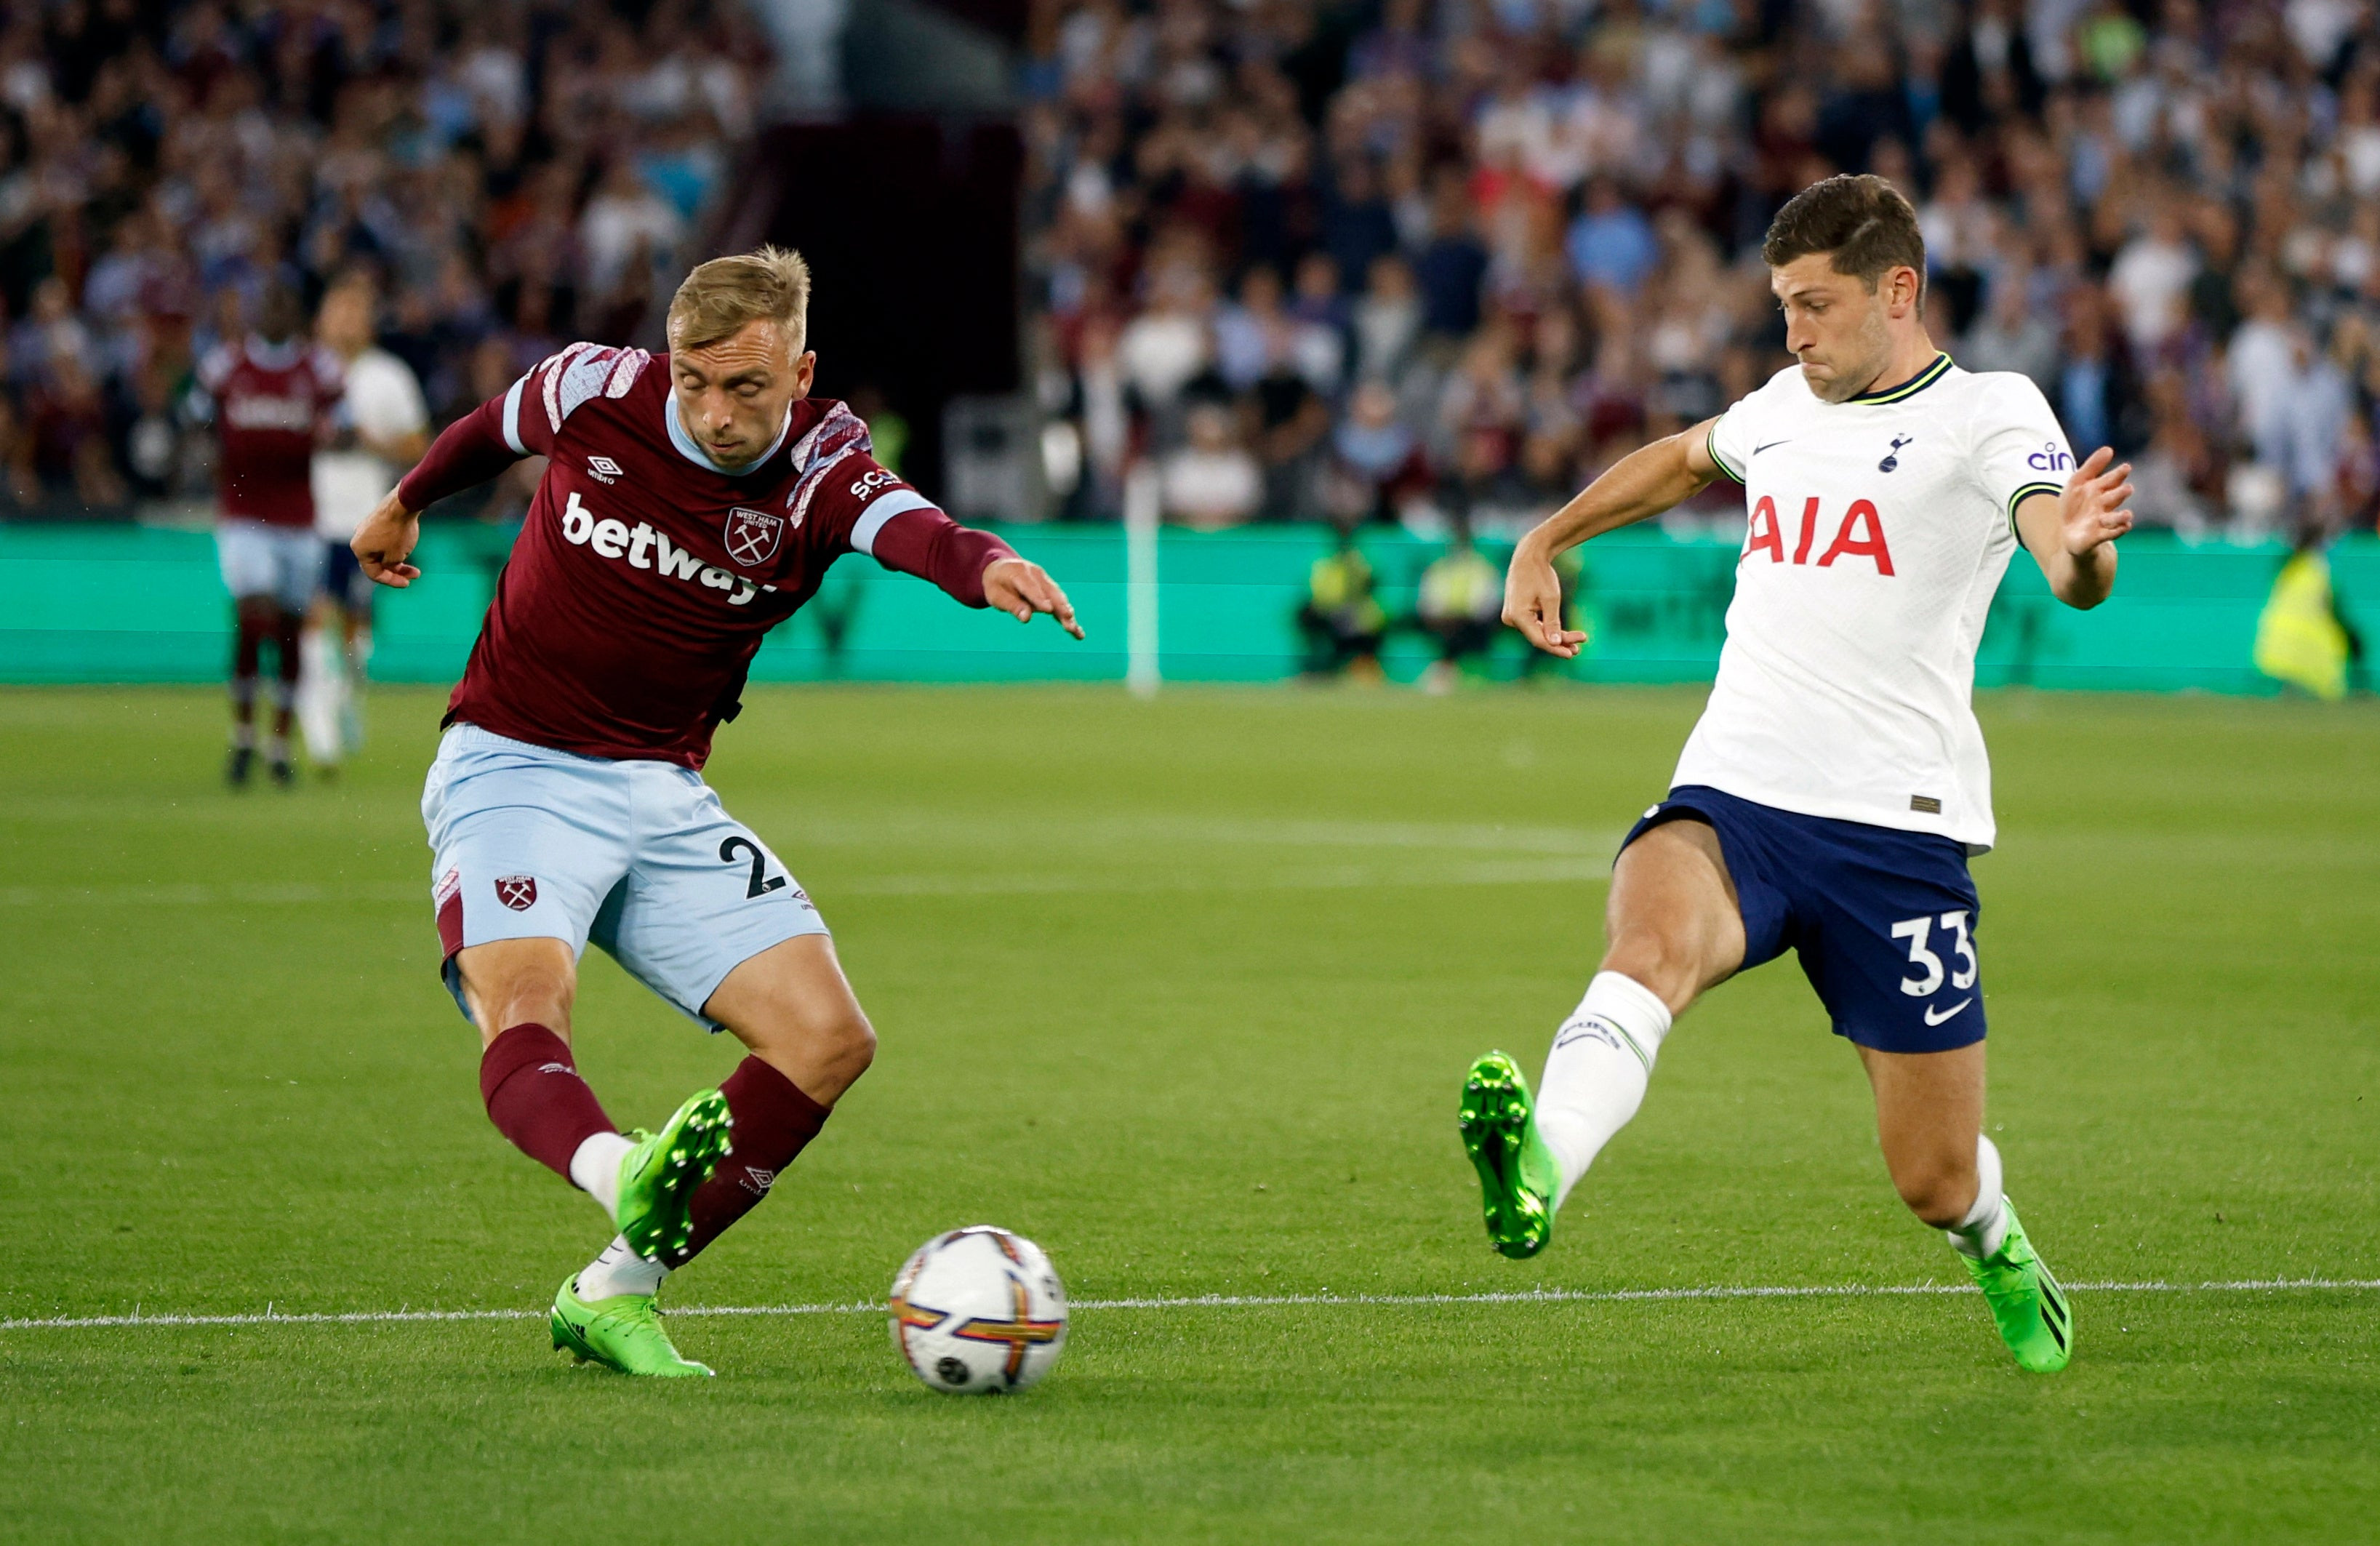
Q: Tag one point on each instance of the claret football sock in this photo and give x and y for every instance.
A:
(536, 1098)
(619, 1270)
(774, 1121)
(1980, 1232)
(1596, 1072)
(595, 1168)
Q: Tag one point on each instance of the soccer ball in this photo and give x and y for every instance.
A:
(977, 1311)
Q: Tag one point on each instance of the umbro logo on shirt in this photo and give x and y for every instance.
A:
(603, 469)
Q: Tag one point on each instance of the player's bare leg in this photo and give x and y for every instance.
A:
(1674, 930)
(792, 1005)
(1929, 1121)
(511, 982)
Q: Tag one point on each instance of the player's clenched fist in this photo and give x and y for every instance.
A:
(386, 540)
(1533, 603)
(1022, 589)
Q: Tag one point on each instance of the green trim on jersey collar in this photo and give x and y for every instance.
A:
(1911, 387)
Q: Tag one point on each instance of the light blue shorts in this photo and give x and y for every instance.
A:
(257, 558)
(639, 856)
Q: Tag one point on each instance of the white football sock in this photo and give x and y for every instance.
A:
(1980, 1232)
(595, 1169)
(619, 1271)
(1595, 1075)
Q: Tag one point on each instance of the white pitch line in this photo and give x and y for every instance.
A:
(1223, 1301)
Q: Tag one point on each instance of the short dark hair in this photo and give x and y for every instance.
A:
(1862, 222)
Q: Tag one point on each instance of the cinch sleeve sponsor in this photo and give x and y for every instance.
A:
(2019, 450)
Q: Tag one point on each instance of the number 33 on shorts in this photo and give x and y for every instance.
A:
(1931, 969)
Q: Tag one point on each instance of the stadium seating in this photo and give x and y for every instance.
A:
(518, 173)
(1538, 223)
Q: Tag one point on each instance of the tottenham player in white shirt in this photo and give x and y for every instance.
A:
(384, 427)
(1830, 794)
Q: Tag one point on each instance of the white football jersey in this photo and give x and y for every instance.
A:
(1877, 530)
(384, 402)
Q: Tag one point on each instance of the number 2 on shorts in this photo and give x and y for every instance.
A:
(1916, 931)
(763, 883)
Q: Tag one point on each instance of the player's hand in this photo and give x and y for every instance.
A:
(386, 540)
(2091, 512)
(1533, 604)
(1020, 589)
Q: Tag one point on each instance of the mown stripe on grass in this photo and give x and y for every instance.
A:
(270, 1317)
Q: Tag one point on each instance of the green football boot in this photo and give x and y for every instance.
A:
(2026, 1301)
(623, 1332)
(1518, 1176)
(658, 1178)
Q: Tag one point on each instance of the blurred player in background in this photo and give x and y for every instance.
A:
(1836, 783)
(379, 428)
(690, 503)
(269, 395)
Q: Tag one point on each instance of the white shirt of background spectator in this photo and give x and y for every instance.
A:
(1160, 351)
(2149, 278)
(1844, 691)
(385, 403)
(493, 74)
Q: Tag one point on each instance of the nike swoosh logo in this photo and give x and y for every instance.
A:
(1934, 1019)
(1757, 449)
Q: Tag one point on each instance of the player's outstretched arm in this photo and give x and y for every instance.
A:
(2072, 534)
(385, 540)
(473, 449)
(1021, 589)
(1644, 482)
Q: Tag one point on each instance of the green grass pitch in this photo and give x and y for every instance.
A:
(1184, 989)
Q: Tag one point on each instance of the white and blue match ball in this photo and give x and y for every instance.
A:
(979, 1312)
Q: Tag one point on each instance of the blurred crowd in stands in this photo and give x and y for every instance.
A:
(511, 174)
(1443, 260)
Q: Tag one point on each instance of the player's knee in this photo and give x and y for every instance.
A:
(527, 997)
(1658, 961)
(1939, 1195)
(847, 1038)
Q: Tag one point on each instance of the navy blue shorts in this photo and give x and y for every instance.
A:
(344, 578)
(1883, 920)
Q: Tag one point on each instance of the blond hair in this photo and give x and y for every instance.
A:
(720, 297)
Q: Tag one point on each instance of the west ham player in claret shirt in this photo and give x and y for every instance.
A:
(1836, 783)
(691, 502)
(271, 396)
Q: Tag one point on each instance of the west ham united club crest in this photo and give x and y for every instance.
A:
(753, 536)
(516, 891)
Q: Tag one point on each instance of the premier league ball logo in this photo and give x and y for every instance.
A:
(516, 891)
(753, 536)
